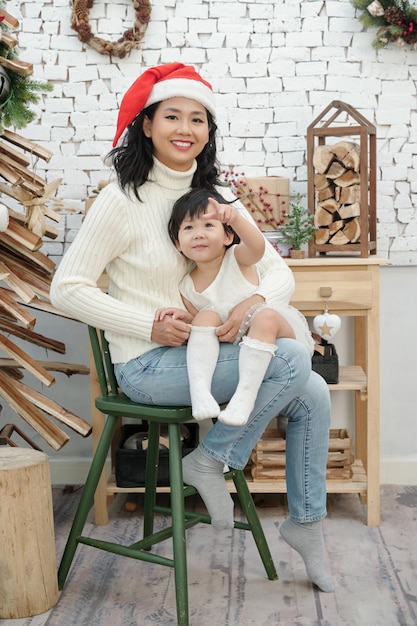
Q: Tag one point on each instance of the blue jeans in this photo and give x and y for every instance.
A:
(289, 387)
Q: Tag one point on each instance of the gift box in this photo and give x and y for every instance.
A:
(130, 463)
(266, 198)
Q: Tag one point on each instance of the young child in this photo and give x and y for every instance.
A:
(203, 229)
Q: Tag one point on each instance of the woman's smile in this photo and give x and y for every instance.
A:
(179, 131)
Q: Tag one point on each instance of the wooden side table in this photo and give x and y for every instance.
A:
(355, 292)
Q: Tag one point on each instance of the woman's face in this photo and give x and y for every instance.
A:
(179, 131)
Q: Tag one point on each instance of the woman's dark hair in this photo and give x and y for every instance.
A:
(193, 204)
(133, 159)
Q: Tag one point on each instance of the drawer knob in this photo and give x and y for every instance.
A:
(325, 292)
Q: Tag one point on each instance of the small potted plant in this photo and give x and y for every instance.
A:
(298, 227)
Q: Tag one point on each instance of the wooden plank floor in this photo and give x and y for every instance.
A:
(374, 570)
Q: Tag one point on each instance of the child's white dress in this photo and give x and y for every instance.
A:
(229, 288)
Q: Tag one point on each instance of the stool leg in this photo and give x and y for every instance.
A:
(178, 523)
(87, 497)
(249, 510)
(151, 478)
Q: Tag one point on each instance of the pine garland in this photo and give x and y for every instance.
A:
(396, 21)
(129, 39)
(24, 91)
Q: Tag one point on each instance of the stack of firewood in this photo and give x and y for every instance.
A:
(25, 276)
(268, 458)
(338, 193)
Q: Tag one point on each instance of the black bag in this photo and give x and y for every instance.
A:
(130, 464)
(327, 364)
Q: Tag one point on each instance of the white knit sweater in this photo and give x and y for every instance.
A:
(130, 240)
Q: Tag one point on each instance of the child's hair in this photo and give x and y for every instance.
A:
(193, 204)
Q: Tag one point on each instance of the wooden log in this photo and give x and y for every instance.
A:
(9, 174)
(21, 67)
(348, 195)
(326, 193)
(47, 405)
(350, 210)
(14, 282)
(17, 156)
(55, 366)
(9, 20)
(15, 310)
(40, 285)
(27, 144)
(8, 39)
(322, 217)
(322, 158)
(339, 239)
(6, 437)
(321, 181)
(34, 258)
(336, 170)
(29, 580)
(54, 436)
(346, 178)
(335, 226)
(348, 153)
(23, 170)
(26, 361)
(352, 230)
(22, 218)
(23, 235)
(329, 205)
(321, 236)
(32, 337)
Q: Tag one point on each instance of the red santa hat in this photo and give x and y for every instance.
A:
(160, 83)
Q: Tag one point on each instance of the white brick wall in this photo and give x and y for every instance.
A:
(274, 65)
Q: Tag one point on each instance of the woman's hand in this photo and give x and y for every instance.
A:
(228, 331)
(175, 313)
(171, 327)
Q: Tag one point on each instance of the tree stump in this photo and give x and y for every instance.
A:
(28, 577)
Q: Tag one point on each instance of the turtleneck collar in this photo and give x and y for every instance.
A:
(171, 179)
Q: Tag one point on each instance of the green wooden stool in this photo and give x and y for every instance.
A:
(115, 404)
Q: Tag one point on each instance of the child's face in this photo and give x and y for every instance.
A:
(202, 240)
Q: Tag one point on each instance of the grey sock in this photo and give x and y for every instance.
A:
(206, 475)
(307, 539)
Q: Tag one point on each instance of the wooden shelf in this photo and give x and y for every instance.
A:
(356, 484)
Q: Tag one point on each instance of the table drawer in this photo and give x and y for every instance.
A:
(350, 289)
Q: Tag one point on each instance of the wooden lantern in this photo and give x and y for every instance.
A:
(341, 171)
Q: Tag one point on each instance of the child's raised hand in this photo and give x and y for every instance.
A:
(225, 213)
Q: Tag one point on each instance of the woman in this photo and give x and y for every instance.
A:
(165, 145)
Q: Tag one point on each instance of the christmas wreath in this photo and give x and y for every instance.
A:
(396, 21)
(129, 39)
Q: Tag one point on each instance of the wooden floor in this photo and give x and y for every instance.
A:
(374, 570)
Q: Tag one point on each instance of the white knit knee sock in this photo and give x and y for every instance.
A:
(202, 354)
(254, 358)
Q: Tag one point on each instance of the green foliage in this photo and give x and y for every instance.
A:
(404, 30)
(24, 91)
(298, 228)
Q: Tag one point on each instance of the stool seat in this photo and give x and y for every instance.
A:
(115, 404)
